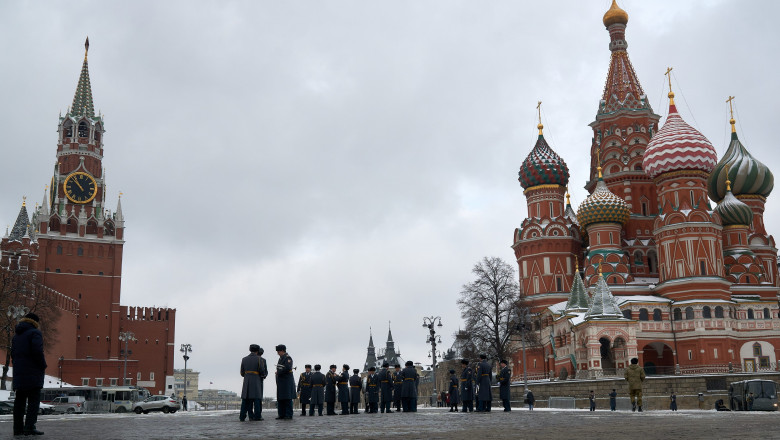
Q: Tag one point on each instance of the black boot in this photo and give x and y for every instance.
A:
(640, 408)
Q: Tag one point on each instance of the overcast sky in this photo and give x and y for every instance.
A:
(298, 172)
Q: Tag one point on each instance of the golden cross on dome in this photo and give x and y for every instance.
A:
(598, 161)
(576, 264)
(24, 200)
(728, 182)
(539, 112)
(671, 93)
(731, 111)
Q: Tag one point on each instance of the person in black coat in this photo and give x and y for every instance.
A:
(285, 384)
(613, 400)
(343, 385)
(673, 401)
(386, 388)
(355, 386)
(504, 378)
(29, 370)
(304, 388)
(398, 382)
(592, 399)
(453, 390)
(372, 390)
(317, 381)
(529, 398)
(409, 387)
(254, 370)
(484, 378)
(467, 386)
(331, 379)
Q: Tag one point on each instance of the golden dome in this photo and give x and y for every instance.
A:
(615, 15)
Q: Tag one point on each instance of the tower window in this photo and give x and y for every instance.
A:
(757, 349)
(702, 267)
(677, 314)
(643, 314)
(706, 312)
(644, 208)
(719, 312)
(83, 129)
(80, 252)
(751, 314)
(657, 315)
(559, 284)
(59, 249)
(689, 313)
(767, 315)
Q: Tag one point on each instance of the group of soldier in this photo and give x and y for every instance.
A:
(382, 390)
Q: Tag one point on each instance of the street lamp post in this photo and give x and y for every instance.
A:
(522, 325)
(186, 349)
(429, 322)
(126, 337)
(62, 358)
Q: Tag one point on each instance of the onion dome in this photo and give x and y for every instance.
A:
(747, 175)
(603, 207)
(733, 211)
(615, 15)
(678, 147)
(543, 167)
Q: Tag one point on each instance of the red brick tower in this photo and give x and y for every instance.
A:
(624, 124)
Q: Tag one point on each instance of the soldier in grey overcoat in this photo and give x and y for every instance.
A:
(409, 387)
(386, 388)
(285, 384)
(343, 384)
(254, 370)
(372, 390)
(467, 386)
(453, 390)
(355, 387)
(398, 382)
(304, 388)
(317, 381)
(331, 379)
(484, 378)
(504, 378)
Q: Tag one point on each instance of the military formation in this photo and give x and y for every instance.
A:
(384, 391)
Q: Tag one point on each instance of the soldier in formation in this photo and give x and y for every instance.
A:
(467, 386)
(355, 386)
(285, 384)
(398, 381)
(331, 379)
(317, 381)
(453, 390)
(372, 390)
(254, 370)
(504, 378)
(409, 387)
(385, 388)
(343, 385)
(304, 388)
(484, 377)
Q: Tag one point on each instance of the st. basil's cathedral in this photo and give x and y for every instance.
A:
(647, 266)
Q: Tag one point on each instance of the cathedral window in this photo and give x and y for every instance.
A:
(559, 284)
(767, 315)
(627, 313)
(657, 315)
(677, 314)
(689, 313)
(59, 249)
(638, 258)
(751, 314)
(706, 312)
(719, 312)
(83, 129)
(757, 349)
(80, 252)
(643, 316)
(702, 267)
(644, 208)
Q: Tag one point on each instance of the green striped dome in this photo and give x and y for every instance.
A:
(603, 207)
(734, 212)
(748, 176)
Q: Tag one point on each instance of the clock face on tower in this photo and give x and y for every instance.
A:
(80, 187)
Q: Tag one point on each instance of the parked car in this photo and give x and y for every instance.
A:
(7, 407)
(45, 409)
(159, 402)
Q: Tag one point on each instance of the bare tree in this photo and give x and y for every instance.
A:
(489, 306)
(19, 288)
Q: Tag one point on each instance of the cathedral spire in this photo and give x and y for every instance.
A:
(603, 305)
(22, 223)
(82, 100)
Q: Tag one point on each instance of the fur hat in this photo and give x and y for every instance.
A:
(307, 366)
(409, 363)
(356, 371)
(281, 347)
(317, 367)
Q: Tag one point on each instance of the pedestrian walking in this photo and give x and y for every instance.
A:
(184, 403)
(29, 370)
(635, 375)
(454, 385)
(613, 400)
(331, 379)
(372, 387)
(592, 399)
(355, 386)
(529, 398)
(317, 390)
(385, 388)
(285, 384)
(467, 386)
(484, 378)
(304, 388)
(673, 402)
(254, 370)
(343, 385)
(504, 378)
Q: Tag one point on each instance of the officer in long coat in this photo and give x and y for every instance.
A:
(504, 378)
(467, 386)
(355, 387)
(331, 379)
(343, 384)
(484, 377)
(409, 387)
(317, 381)
(304, 388)
(453, 390)
(285, 384)
(372, 390)
(386, 388)
(254, 370)
(398, 382)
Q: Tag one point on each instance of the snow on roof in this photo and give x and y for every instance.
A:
(641, 298)
(48, 381)
(694, 301)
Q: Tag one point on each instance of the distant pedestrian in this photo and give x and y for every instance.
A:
(184, 403)
(467, 386)
(613, 400)
(529, 398)
(635, 375)
(454, 385)
(750, 402)
(285, 384)
(317, 390)
(484, 377)
(592, 399)
(673, 402)
(504, 378)
(29, 369)
(355, 387)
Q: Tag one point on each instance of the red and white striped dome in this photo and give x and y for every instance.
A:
(676, 147)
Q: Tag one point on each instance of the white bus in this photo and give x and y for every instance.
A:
(120, 399)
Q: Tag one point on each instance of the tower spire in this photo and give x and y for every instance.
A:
(731, 120)
(539, 111)
(82, 100)
(671, 93)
